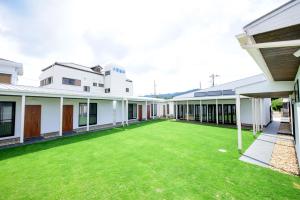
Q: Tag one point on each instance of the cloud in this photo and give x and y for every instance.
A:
(177, 43)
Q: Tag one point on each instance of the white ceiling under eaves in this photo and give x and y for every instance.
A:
(284, 16)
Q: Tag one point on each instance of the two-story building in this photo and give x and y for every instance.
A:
(109, 80)
(9, 71)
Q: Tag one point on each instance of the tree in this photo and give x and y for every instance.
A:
(277, 104)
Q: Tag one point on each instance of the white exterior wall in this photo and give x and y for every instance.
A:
(297, 121)
(87, 79)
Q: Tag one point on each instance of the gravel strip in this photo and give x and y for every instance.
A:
(284, 156)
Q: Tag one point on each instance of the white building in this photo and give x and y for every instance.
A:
(218, 104)
(63, 105)
(110, 80)
(9, 71)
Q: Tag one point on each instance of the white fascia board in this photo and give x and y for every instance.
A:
(297, 53)
(245, 40)
(284, 16)
(266, 87)
(207, 98)
(288, 43)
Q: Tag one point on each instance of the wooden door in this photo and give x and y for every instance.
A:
(68, 118)
(32, 124)
(148, 111)
(140, 113)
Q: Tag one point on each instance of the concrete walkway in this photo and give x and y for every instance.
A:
(260, 152)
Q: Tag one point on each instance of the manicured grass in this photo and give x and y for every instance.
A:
(152, 160)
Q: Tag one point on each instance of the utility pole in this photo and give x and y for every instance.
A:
(213, 77)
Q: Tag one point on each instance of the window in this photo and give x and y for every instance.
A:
(100, 85)
(127, 89)
(107, 90)
(5, 78)
(83, 114)
(132, 111)
(107, 73)
(154, 109)
(70, 81)
(95, 84)
(46, 81)
(86, 88)
(7, 119)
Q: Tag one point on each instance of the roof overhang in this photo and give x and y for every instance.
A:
(267, 89)
(273, 41)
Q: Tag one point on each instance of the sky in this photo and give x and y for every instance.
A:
(177, 43)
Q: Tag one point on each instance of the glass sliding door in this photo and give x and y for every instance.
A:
(197, 112)
(229, 114)
(132, 111)
(212, 113)
(220, 114)
(83, 114)
(204, 113)
(7, 119)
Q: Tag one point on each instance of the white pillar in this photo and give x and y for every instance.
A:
(22, 118)
(146, 110)
(201, 111)
(114, 104)
(123, 112)
(256, 115)
(61, 111)
(253, 116)
(126, 113)
(217, 111)
(261, 115)
(176, 110)
(238, 121)
(88, 115)
(187, 110)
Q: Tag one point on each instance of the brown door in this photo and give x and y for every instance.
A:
(32, 124)
(148, 112)
(68, 118)
(140, 112)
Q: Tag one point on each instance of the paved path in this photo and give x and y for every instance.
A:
(260, 152)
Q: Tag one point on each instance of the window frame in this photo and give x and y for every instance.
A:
(91, 114)
(12, 119)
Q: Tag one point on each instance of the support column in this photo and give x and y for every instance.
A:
(23, 100)
(61, 110)
(201, 111)
(206, 113)
(256, 115)
(176, 110)
(291, 116)
(146, 110)
(261, 115)
(123, 113)
(253, 116)
(88, 115)
(238, 121)
(187, 110)
(217, 111)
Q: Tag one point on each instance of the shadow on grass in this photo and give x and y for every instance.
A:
(23, 149)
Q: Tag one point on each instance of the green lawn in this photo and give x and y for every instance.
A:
(152, 160)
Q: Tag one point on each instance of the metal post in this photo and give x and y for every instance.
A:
(253, 116)
(217, 111)
(201, 111)
(88, 115)
(187, 110)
